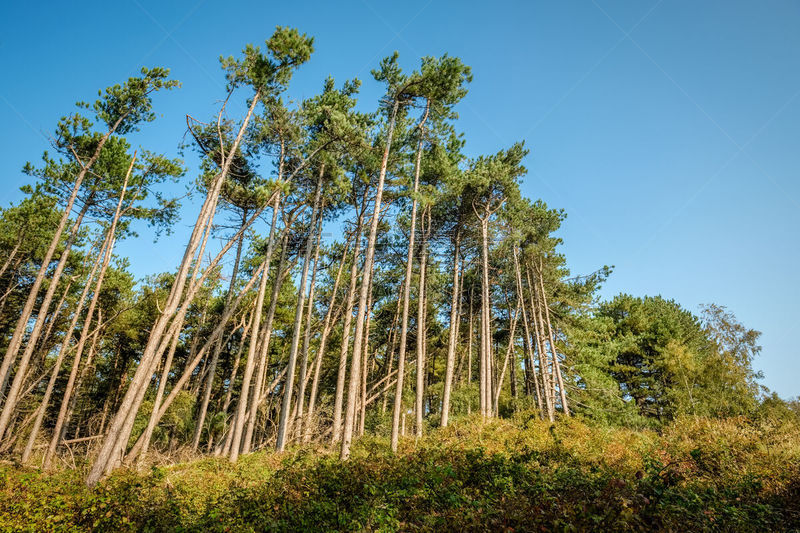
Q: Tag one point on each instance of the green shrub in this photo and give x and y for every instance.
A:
(520, 474)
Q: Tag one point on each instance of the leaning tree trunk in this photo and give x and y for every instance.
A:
(247, 377)
(401, 357)
(556, 365)
(362, 400)
(528, 343)
(82, 374)
(485, 327)
(27, 309)
(19, 376)
(301, 389)
(110, 453)
(201, 415)
(547, 382)
(37, 424)
(283, 424)
(509, 355)
(355, 364)
(391, 344)
(267, 328)
(326, 330)
(348, 321)
(266, 336)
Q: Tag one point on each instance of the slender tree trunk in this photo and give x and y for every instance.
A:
(528, 343)
(348, 321)
(19, 331)
(266, 338)
(547, 384)
(11, 255)
(266, 330)
(362, 407)
(235, 368)
(82, 375)
(244, 395)
(391, 345)
(62, 353)
(557, 367)
(53, 319)
(16, 385)
(485, 367)
(509, 355)
(201, 415)
(326, 329)
(421, 333)
(355, 364)
(301, 389)
(283, 424)
(469, 346)
(162, 385)
(452, 335)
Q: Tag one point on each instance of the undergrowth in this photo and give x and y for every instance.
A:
(520, 474)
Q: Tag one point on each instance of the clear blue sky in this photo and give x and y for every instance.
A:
(667, 130)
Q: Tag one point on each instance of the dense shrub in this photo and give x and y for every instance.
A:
(518, 475)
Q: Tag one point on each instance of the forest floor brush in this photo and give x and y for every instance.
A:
(521, 474)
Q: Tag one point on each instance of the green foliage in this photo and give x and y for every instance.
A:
(647, 360)
(124, 107)
(269, 74)
(700, 474)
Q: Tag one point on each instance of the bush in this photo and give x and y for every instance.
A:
(519, 474)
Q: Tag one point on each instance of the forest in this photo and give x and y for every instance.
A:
(368, 330)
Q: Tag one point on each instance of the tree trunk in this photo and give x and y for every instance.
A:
(485, 327)
(509, 355)
(557, 366)
(547, 385)
(81, 375)
(348, 321)
(110, 453)
(201, 415)
(27, 310)
(326, 329)
(452, 334)
(469, 346)
(362, 407)
(244, 394)
(235, 368)
(284, 421)
(355, 364)
(264, 332)
(62, 353)
(390, 348)
(13, 392)
(421, 333)
(301, 389)
(266, 337)
(527, 339)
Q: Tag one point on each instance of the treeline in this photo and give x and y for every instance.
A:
(445, 293)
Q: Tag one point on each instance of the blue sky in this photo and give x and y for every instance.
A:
(667, 130)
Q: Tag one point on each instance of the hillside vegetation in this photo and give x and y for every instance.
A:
(520, 474)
